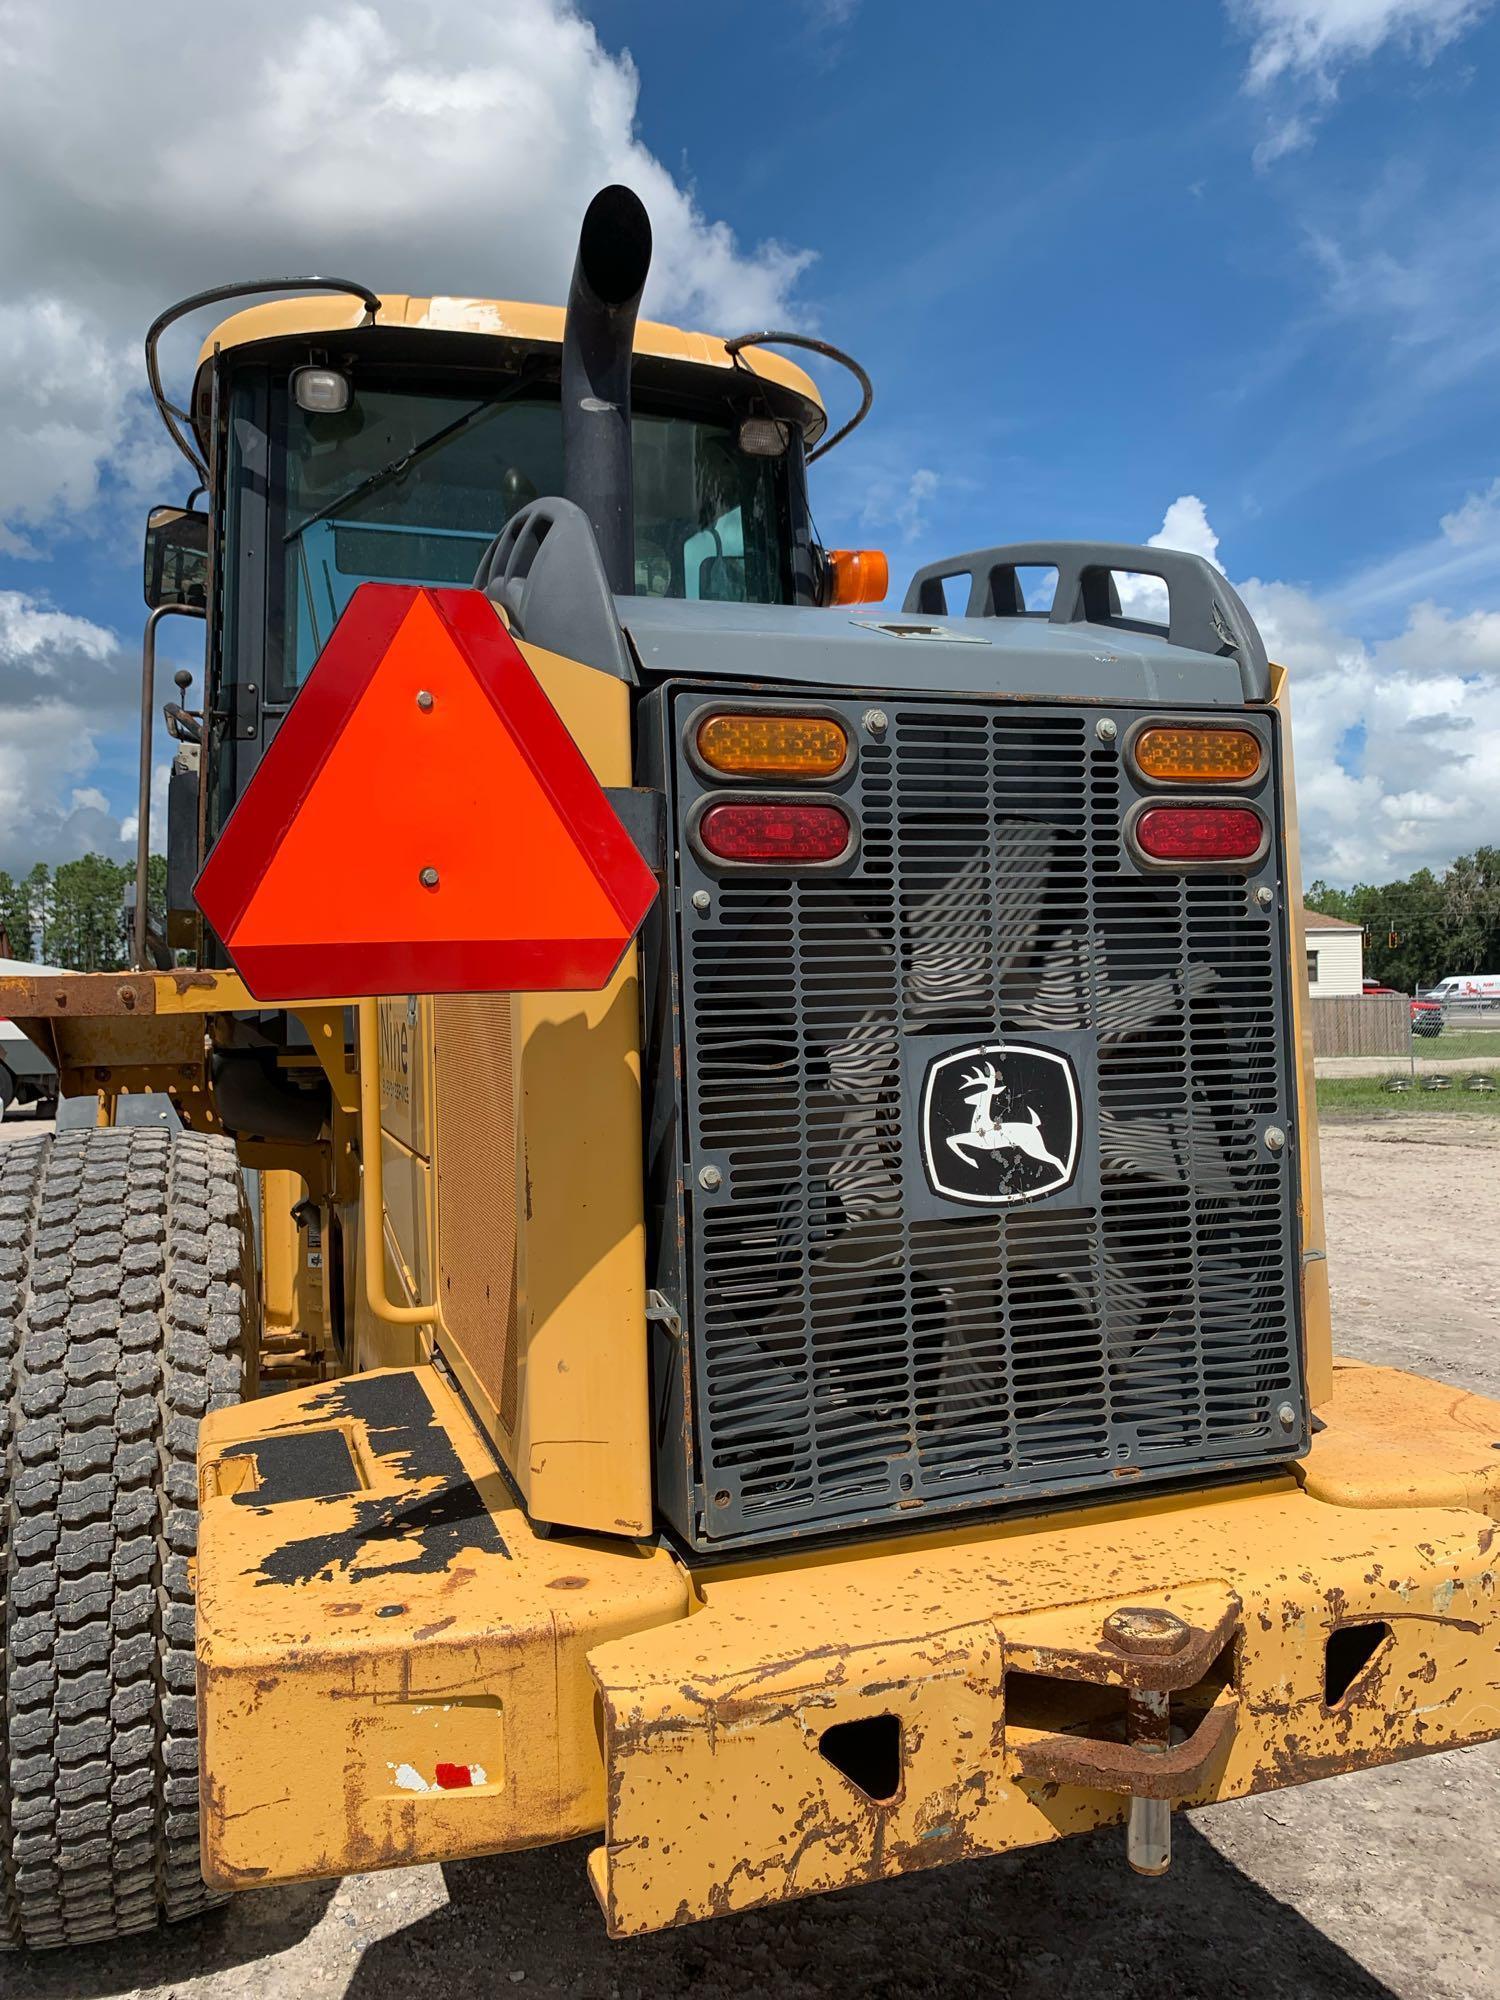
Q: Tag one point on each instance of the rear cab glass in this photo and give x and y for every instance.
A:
(411, 483)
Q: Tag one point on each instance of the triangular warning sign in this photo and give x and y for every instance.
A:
(422, 822)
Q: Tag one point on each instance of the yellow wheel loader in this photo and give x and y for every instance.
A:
(699, 1223)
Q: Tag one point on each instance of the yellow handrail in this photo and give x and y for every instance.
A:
(372, 1191)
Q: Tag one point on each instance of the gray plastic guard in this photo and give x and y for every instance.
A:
(836, 648)
(1204, 613)
(544, 568)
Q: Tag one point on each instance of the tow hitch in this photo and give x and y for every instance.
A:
(1160, 1655)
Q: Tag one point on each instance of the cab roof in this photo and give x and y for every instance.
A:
(503, 319)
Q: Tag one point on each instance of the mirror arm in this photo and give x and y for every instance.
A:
(139, 942)
(182, 724)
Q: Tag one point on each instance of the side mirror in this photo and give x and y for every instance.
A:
(176, 558)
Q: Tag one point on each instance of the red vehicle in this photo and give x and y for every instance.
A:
(1426, 1015)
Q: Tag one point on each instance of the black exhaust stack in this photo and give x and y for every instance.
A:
(614, 255)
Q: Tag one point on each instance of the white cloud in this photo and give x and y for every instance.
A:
(65, 382)
(1440, 644)
(161, 773)
(449, 148)
(1300, 48)
(900, 504)
(38, 638)
(1184, 526)
(1477, 520)
(1397, 739)
(1318, 38)
(64, 683)
(911, 509)
(43, 749)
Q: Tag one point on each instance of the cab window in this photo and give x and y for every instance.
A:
(411, 485)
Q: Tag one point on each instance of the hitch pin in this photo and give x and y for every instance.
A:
(1147, 1631)
(1148, 1830)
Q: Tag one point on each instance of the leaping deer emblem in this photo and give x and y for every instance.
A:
(986, 1135)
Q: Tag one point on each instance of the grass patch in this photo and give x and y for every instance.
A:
(1458, 1044)
(1367, 1097)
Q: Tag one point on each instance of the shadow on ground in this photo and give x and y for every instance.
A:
(1068, 1923)
(249, 1928)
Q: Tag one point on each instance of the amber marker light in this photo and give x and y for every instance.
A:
(1210, 755)
(857, 576)
(773, 746)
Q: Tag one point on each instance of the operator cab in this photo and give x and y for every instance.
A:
(357, 438)
(415, 470)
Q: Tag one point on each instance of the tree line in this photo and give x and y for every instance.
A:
(76, 914)
(1416, 931)
(1421, 929)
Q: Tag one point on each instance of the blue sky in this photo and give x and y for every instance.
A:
(1078, 293)
(1227, 272)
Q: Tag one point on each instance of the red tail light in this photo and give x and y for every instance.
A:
(1201, 833)
(766, 831)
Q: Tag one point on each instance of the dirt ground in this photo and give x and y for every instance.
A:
(1376, 1885)
(1427, 1062)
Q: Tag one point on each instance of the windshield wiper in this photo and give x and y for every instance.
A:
(373, 481)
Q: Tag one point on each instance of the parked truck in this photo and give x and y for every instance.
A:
(786, 1325)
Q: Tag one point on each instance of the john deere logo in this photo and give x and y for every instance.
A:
(999, 1123)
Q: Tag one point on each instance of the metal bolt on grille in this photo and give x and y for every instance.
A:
(860, 1346)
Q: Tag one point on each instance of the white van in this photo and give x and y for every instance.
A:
(1466, 986)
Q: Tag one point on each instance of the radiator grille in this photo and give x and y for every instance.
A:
(857, 1356)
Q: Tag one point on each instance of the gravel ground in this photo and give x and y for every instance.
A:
(1381, 1884)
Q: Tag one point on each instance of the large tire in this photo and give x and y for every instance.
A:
(126, 1312)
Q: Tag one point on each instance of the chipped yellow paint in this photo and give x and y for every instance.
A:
(343, 1638)
(721, 1800)
(332, 1687)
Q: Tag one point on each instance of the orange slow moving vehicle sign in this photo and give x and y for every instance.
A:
(422, 822)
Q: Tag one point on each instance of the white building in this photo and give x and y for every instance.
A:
(1335, 955)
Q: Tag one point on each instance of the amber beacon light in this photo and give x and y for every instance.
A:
(857, 576)
(773, 746)
(1172, 752)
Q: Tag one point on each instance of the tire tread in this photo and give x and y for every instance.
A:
(125, 1314)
